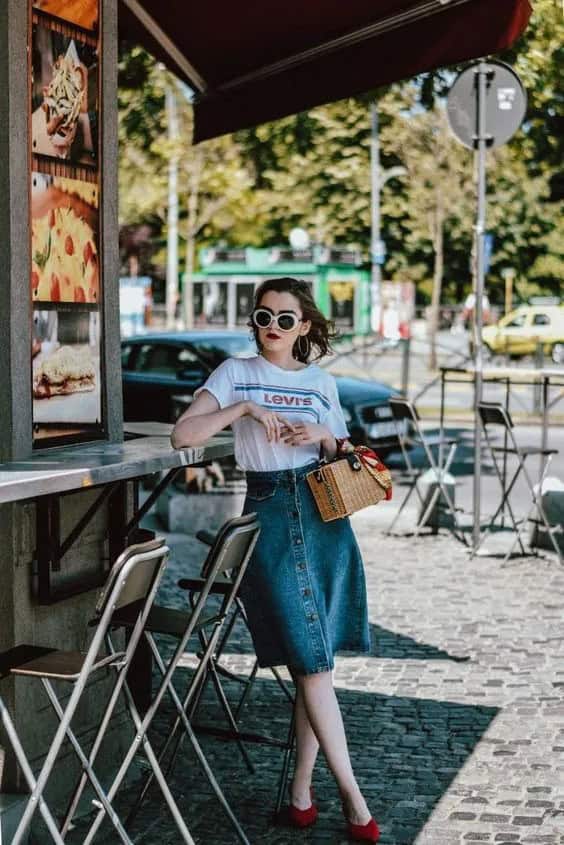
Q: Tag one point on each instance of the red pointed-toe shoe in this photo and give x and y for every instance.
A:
(368, 832)
(303, 818)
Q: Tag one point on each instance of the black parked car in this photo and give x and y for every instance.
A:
(161, 371)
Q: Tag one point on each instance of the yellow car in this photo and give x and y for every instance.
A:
(520, 332)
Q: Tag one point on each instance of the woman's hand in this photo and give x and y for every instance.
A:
(275, 425)
(306, 434)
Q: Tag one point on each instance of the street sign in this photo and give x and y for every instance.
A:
(378, 252)
(488, 250)
(506, 104)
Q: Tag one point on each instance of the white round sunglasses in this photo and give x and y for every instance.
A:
(285, 320)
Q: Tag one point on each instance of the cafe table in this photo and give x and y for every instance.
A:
(108, 469)
(546, 378)
(543, 378)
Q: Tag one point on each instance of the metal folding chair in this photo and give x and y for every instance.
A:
(495, 414)
(406, 417)
(131, 585)
(10, 731)
(223, 571)
(216, 671)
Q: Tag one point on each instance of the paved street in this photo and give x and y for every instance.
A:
(455, 720)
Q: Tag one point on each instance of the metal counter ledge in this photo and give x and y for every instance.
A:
(79, 467)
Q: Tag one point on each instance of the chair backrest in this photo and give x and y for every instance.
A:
(140, 565)
(494, 413)
(403, 409)
(233, 545)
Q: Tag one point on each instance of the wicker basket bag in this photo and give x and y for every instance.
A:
(353, 480)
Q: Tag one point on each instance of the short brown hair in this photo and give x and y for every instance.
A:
(322, 330)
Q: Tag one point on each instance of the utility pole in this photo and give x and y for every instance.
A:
(481, 81)
(378, 177)
(375, 245)
(172, 210)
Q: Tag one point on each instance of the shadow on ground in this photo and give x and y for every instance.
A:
(406, 752)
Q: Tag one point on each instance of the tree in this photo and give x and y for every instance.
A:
(313, 170)
(438, 185)
(214, 183)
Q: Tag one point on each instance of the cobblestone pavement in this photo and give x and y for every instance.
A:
(455, 720)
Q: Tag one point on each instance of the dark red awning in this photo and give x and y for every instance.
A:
(252, 62)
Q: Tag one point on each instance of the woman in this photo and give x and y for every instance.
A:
(304, 590)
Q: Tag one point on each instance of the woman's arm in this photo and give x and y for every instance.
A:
(204, 418)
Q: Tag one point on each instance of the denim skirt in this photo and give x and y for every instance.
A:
(304, 590)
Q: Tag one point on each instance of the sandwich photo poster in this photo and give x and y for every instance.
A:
(64, 96)
(66, 371)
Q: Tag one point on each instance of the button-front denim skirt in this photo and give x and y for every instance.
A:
(304, 591)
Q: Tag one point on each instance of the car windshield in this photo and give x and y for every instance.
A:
(217, 349)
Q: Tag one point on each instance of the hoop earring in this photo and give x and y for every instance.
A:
(304, 337)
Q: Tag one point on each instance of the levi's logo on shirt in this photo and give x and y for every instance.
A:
(282, 399)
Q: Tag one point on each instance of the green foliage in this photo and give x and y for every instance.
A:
(313, 170)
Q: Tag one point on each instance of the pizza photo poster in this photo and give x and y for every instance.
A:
(65, 284)
(64, 243)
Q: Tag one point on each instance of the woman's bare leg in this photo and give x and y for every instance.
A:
(307, 747)
(325, 720)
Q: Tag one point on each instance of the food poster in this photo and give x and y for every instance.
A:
(64, 244)
(82, 13)
(65, 369)
(65, 283)
(64, 97)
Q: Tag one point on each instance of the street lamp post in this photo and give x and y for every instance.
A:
(172, 209)
(379, 177)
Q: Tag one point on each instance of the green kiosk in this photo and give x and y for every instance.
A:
(223, 289)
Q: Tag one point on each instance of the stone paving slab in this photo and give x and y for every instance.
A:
(455, 719)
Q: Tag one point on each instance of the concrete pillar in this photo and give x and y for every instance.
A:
(22, 619)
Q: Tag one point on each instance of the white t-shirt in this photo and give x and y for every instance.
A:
(307, 395)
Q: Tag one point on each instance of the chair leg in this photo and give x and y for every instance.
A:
(141, 727)
(283, 781)
(98, 739)
(407, 497)
(36, 795)
(505, 492)
(183, 721)
(230, 717)
(282, 684)
(87, 767)
(501, 509)
(220, 693)
(538, 506)
(441, 489)
(28, 774)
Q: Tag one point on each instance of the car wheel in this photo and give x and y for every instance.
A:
(558, 353)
